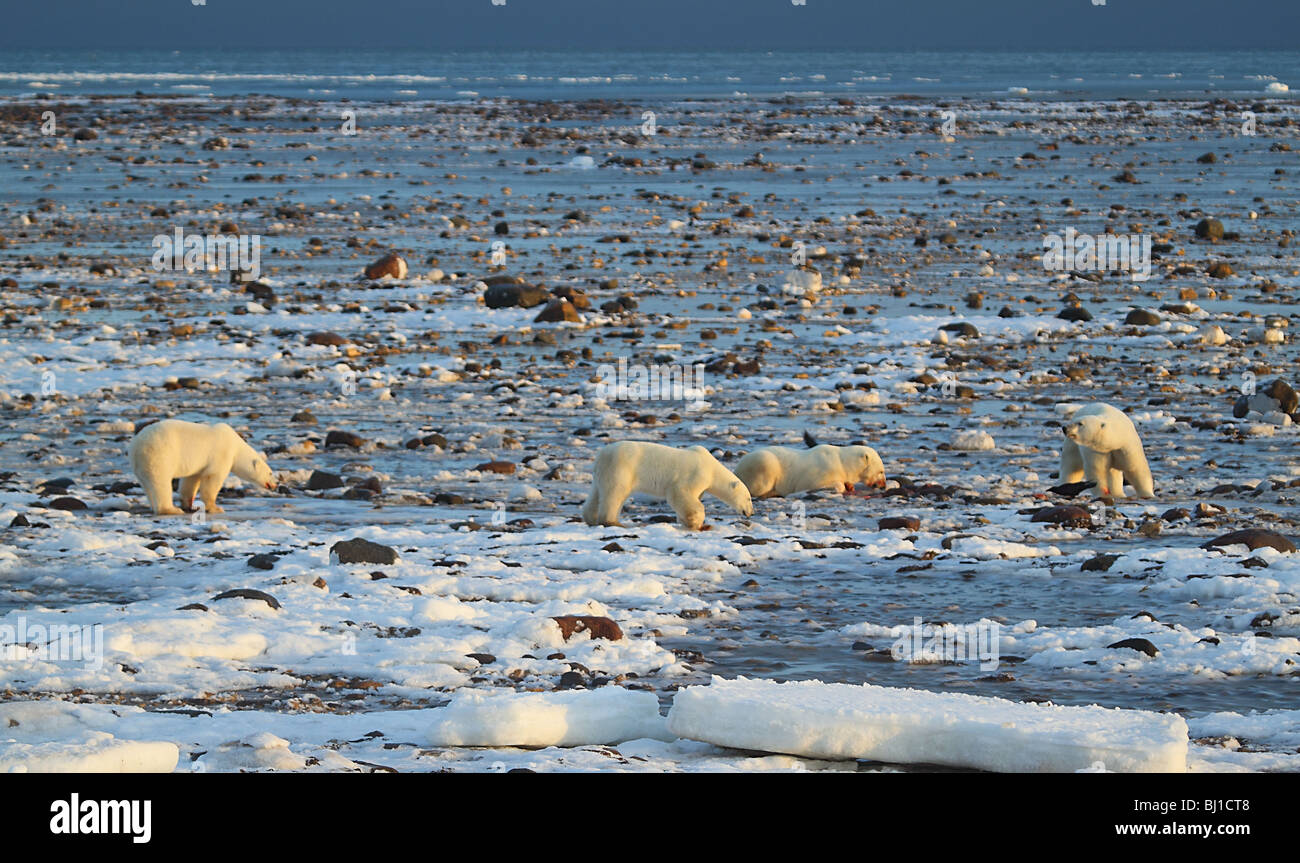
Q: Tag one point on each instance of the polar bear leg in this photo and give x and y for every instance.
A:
(1132, 462)
(159, 492)
(1116, 482)
(209, 485)
(610, 489)
(1096, 469)
(591, 509)
(1071, 462)
(690, 512)
(1140, 478)
(189, 486)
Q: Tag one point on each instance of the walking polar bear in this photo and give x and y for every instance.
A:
(778, 471)
(1102, 446)
(679, 476)
(201, 455)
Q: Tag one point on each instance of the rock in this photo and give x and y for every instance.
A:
(1074, 313)
(328, 339)
(20, 520)
(342, 438)
(482, 658)
(1219, 270)
(67, 503)
(1066, 515)
(502, 467)
(1176, 514)
(964, 330)
(1100, 563)
(216, 142)
(1207, 158)
(572, 680)
(501, 229)
(248, 593)
(304, 417)
(263, 561)
(391, 265)
(362, 551)
(1125, 177)
(1252, 538)
(597, 627)
(434, 439)
(1278, 396)
(1209, 229)
(1142, 318)
(321, 481)
(904, 522)
(84, 134)
(1141, 645)
(558, 311)
(509, 296)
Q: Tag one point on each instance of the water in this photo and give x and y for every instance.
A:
(405, 75)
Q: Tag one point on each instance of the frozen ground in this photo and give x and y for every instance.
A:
(356, 664)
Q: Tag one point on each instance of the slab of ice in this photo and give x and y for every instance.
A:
(99, 753)
(573, 718)
(912, 726)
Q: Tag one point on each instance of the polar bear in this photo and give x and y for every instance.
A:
(679, 476)
(201, 455)
(777, 471)
(1102, 446)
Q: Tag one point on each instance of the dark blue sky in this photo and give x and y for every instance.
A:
(654, 24)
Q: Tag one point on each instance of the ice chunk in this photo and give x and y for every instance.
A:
(911, 726)
(99, 753)
(578, 717)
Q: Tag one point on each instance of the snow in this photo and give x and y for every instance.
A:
(833, 720)
(574, 718)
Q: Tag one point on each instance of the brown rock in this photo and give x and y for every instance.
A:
(904, 522)
(558, 311)
(505, 467)
(328, 339)
(597, 627)
(1066, 516)
(392, 265)
(1252, 538)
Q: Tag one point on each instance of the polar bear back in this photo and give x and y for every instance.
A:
(804, 470)
(656, 469)
(176, 448)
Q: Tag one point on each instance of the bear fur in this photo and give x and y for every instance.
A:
(777, 471)
(678, 476)
(200, 455)
(1102, 446)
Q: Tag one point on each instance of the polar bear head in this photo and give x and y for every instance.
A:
(862, 464)
(737, 495)
(1090, 431)
(729, 489)
(250, 465)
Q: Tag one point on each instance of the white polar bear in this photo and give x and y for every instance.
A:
(1102, 446)
(201, 455)
(777, 471)
(679, 476)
